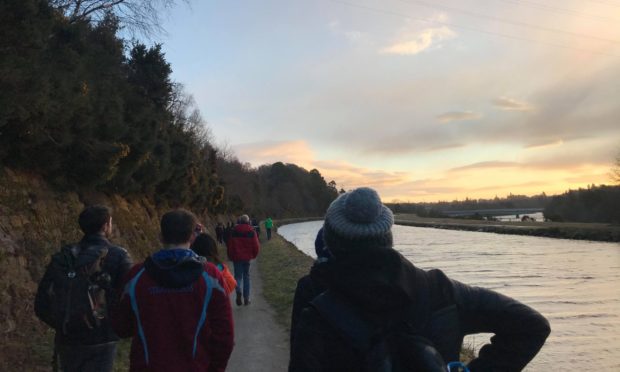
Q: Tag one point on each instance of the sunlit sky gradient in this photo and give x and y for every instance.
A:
(423, 100)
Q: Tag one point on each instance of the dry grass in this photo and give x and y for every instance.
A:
(281, 265)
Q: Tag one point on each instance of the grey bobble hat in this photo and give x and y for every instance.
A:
(358, 215)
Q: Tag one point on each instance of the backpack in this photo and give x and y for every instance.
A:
(398, 348)
(78, 290)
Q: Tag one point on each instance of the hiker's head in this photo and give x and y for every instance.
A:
(356, 221)
(204, 245)
(96, 219)
(244, 219)
(319, 246)
(178, 227)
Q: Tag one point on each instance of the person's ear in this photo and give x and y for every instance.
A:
(107, 227)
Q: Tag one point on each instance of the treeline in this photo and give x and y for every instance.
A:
(90, 111)
(594, 204)
(438, 209)
(278, 190)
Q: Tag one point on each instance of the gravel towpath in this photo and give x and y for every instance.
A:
(261, 344)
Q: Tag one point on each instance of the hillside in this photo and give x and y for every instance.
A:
(35, 220)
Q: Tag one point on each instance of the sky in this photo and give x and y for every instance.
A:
(421, 100)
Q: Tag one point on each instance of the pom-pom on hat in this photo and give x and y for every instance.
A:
(358, 218)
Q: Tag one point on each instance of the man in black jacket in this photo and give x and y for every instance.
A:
(380, 298)
(94, 348)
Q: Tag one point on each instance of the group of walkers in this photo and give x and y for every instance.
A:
(223, 233)
(175, 305)
(362, 307)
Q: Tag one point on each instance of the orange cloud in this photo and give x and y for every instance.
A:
(510, 104)
(458, 116)
(268, 152)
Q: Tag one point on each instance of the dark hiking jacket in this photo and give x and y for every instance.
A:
(117, 263)
(178, 314)
(390, 291)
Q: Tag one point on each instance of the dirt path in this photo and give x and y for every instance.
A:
(261, 345)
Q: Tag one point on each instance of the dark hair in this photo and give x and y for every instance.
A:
(93, 218)
(204, 245)
(177, 226)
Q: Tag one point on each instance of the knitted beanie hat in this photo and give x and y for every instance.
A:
(358, 220)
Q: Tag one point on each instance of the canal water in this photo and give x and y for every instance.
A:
(575, 284)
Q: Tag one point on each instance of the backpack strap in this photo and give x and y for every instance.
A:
(68, 257)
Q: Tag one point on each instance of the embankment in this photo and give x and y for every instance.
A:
(563, 230)
(35, 220)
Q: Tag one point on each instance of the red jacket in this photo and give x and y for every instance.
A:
(243, 244)
(176, 309)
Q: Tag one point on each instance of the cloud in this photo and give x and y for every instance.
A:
(458, 116)
(353, 36)
(269, 152)
(510, 104)
(351, 176)
(486, 165)
(415, 43)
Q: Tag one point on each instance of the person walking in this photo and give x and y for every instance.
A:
(268, 227)
(242, 247)
(90, 272)
(205, 246)
(219, 233)
(381, 313)
(175, 306)
(256, 226)
(227, 231)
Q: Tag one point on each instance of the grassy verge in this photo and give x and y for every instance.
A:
(281, 264)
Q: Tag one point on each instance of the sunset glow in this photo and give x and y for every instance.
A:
(424, 101)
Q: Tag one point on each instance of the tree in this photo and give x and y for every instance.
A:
(140, 16)
(615, 170)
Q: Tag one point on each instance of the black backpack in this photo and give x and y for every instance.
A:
(397, 348)
(78, 290)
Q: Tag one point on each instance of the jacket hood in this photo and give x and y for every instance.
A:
(174, 268)
(381, 281)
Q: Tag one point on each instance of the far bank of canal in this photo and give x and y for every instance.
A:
(563, 230)
(573, 283)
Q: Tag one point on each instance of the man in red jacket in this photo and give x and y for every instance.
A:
(175, 307)
(242, 247)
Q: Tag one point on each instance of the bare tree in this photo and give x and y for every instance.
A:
(186, 115)
(615, 170)
(139, 16)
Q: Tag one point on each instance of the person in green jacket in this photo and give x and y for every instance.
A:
(268, 226)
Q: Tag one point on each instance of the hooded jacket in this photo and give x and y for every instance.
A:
(393, 294)
(176, 309)
(243, 243)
